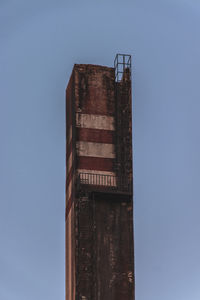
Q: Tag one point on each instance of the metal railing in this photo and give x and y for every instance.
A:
(102, 181)
(122, 64)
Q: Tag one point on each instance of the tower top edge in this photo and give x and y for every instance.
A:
(92, 66)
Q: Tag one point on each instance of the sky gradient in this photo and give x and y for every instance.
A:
(40, 42)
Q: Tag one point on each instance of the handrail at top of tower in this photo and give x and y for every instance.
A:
(122, 63)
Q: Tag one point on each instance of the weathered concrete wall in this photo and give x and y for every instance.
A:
(114, 249)
(94, 90)
(95, 118)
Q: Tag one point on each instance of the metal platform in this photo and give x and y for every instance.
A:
(104, 183)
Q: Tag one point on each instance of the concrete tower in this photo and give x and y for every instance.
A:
(99, 196)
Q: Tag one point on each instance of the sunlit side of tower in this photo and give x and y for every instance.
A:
(99, 193)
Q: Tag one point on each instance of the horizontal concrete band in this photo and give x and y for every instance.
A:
(95, 163)
(68, 208)
(69, 135)
(69, 149)
(95, 135)
(69, 162)
(69, 178)
(95, 121)
(95, 149)
(69, 191)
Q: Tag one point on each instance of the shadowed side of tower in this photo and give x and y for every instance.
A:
(99, 205)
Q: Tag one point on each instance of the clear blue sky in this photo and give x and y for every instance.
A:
(40, 41)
